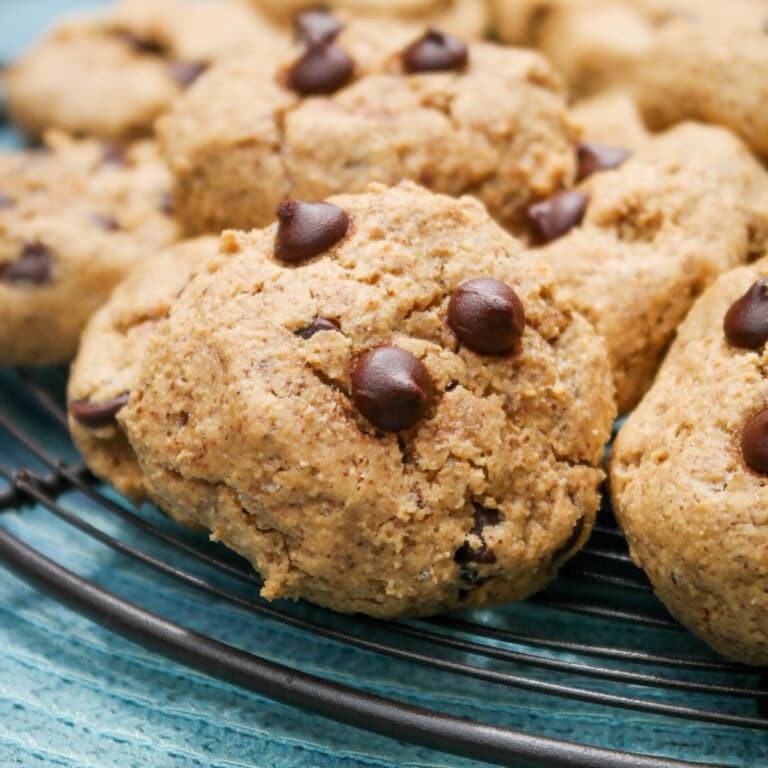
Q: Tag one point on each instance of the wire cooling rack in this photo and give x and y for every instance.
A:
(672, 677)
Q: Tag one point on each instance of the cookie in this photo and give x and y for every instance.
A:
(111, 349)
(73, 221)
(655, 230)
(457, 118)
(380, 403)
(689, 471)
(460, 17)
(111, 75)
(611, 118)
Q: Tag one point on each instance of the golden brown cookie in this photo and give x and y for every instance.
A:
(381, 404)
(369, 107)
(634, 246)
(111, 75)
(689, 471)
(111, 349)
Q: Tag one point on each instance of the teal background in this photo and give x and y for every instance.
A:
(74, 694)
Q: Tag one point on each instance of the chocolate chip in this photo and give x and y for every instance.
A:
(35, 265)
(746, 322)
(318, 325)
(466, 553)
(107, 223)
(145, 45)
(316, 26)
(308, 229)
(435, 52)
(487, 316)
(599, 157)
(391, 388)
(166, 203)
(97, 415)
(754, 443)
(186, 72)
(113, 153)
(6, 202)
(553, 217)
(571, 542)
(323, 69)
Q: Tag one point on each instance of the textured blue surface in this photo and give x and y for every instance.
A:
(74, 694)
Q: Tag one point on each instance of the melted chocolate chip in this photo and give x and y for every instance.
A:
(561, 552)
(34, 265)
(435, 52)
(553, 217)
(308, 229)
(318, 325)
(107, 223)
(466, 553)
(487, 316)
(6, 202)
(746, 322)
(186, 72)
(599, 157)
(97, 415)
(754, 443)
(316, 26)
(145, 45)
(323, 69)
(391, 388)
(113, 154)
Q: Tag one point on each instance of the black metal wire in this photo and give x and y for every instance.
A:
(604, 562)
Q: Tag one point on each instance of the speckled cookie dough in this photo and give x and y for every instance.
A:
(395, 416)
(457, 118)
(111, 75)
(656, 231)
(468, 18)
(689, 472)
(111, 350)
(73, 221)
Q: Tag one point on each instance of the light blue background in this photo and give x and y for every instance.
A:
(73, 694)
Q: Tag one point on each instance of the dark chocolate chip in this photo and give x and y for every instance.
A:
(316, 26)
(323, 69)
(599, 157)
(113, 153)
(308, 229)
(435, 52)
(146, 45)
(754, 443)
(166, 203)
(553, 217)
(107, 223)
(391, 388)
(6, 202)
(746, 322)
(34, 265)
(487, 316)
(466, 553)
(573, 539)
(186, 72)
(97, 415)
(318, 325)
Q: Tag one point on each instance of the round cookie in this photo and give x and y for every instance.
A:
(460, 17)
(111, 349)
(73, 221)
(111, 75)
(493, 122)
(693, 508)
(653, 233)
(266, 403)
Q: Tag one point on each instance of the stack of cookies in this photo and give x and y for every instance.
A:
(361, 293)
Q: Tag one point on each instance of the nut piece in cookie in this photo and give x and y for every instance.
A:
(689, 471)
(404, 423)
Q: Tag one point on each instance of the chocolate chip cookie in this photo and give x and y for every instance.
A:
(363, 106)
(379, 401)
(111, 75)
(73, 221)
(689, 472)
(111, 350)
(643, 236)
(461, 17)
